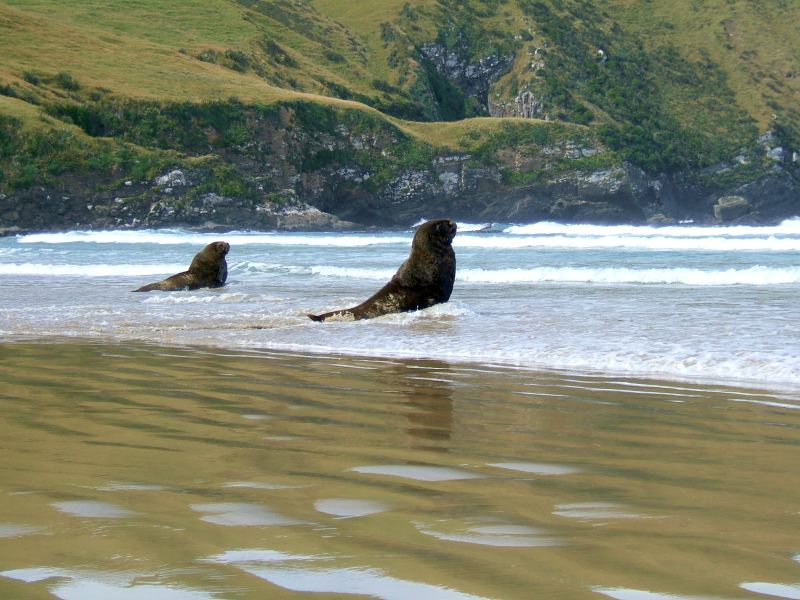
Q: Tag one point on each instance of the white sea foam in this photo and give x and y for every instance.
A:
(320, 270)
(783, 237)
(462, 227)
(177, 237)
(681, 363)
(351, 273)
(757, 275)
(787, 227)
(209, 298)
(711, 242)
(102, 270)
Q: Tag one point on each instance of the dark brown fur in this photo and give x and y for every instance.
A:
(208, 269)
(424, 279)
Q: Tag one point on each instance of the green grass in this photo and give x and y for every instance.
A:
(755, 43)
(188, 23)
(734, 70)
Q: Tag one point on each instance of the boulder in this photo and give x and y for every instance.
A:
(729, 208)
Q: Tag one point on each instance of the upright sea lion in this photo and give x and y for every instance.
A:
(208, 269)
(424, 279)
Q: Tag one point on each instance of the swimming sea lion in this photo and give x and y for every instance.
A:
(208, 269)
(424, 279)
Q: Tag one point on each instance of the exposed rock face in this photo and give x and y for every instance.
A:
(352, 176)
(451, 186)
(473, 78)
(524, 105)
(729, 208)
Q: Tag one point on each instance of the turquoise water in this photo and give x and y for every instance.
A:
(677, 302)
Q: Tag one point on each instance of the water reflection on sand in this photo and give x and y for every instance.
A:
(153, 473)
(314, 574)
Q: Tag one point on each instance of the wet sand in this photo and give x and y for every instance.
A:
(138, 471)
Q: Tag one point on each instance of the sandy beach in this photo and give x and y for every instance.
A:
(179, 472)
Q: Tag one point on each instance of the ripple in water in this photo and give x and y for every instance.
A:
(595, 510)
(242, 514)
(536, 468)
(348, 507)
(258, 485)
(627, 594)
(11, 530)
(93, 509)
(99, 585)
(290, 572)
(418, 472)
(773, 589)
(489, 532)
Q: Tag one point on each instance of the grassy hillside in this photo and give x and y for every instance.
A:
(756, 44)
(668, 86)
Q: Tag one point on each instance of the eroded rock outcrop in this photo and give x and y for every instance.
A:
(291, 173)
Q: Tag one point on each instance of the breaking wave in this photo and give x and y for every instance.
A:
(235, 238)
(787, 227)
(751, 276)
(756, 275)
(711, 242)
(103, 270)
(784, 237)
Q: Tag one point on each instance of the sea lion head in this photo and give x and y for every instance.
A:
(209, 266)
(220, 248)
(433, 235)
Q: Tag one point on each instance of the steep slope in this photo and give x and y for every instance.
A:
(607, 110)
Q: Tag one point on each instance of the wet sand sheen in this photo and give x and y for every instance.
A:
(183, 473)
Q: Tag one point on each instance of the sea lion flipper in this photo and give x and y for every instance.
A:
(316, 317)
(147, 288)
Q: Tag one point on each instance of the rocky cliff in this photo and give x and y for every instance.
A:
(298, 167)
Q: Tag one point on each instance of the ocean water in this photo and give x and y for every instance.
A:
(599, 412)
(683, 303)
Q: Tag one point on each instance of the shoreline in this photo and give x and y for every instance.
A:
(12, 230)
(700, 305)
(656, 380)
(196, 468)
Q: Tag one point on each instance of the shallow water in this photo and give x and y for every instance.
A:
(143, 472)
(686, 303)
